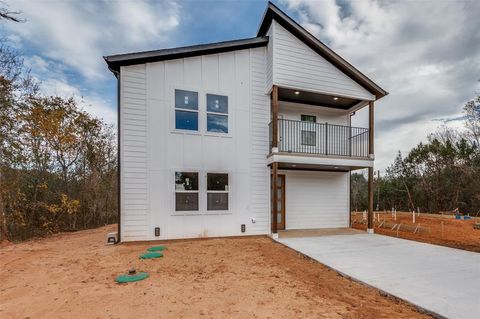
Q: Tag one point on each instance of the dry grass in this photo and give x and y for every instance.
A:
(435, 229)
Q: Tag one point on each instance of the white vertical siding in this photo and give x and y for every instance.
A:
(133, 156)
(269, 63)
(293, 111)
(260, 117)
(316, 200)
(296, 65)
(147, 119)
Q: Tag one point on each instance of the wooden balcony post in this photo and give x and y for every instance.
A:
(274, 110)
(371, 129)
(274, 197)
(370, 169)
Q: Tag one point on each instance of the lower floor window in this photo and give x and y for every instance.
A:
(186, 191)
(217, 191)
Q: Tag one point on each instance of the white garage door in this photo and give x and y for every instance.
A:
(316, 200)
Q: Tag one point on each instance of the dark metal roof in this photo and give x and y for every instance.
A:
(274, 13)
(115, 61)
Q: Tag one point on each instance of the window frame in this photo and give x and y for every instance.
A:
(207, 191)
(306, 129)
(197, 191)
(302, 141)
(313, 116)
(175, 109)
(227, 115)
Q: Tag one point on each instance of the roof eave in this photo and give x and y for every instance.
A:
(115, 61)
(274, 13)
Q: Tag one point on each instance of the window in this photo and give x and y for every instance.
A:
(217, 191)
(308, 130)
(217, 113)
(308, 118)
(186, 191)
(308, 138)
(186, 110)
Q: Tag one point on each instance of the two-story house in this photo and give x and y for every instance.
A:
(242, 137)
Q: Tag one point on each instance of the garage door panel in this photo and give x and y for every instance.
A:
(316, 200)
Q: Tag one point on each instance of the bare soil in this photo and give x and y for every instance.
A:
(72, 276)
(456, 233)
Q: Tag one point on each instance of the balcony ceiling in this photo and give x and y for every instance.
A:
(315, 167)
(304, 97)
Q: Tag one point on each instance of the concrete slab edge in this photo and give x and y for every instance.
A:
(381, 291)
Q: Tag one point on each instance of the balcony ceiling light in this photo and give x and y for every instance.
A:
(335, 98)
(297, 92)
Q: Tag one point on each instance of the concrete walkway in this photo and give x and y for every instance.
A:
(442, 280)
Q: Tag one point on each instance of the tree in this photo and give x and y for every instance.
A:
(5, 14)
(16, 85)
(472, 113)
(57, 162)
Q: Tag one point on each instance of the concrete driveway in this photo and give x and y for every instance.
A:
(441, 280)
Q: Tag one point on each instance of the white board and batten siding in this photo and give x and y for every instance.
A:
(297, 66)
(152, 150)
(316, 199)
(133, 147)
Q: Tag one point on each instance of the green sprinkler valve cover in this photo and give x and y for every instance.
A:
(151, 255)
(131, 277)
(157, 248)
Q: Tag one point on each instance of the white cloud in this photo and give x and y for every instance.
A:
(78, 33)
(64, 42)
(425, 53)
(54, 82)
(92, 103)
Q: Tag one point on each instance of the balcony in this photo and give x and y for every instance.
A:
(321, 139)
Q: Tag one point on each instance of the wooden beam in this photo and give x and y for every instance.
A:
(370, 199)
(274, 197)
(371, 139)
(274, 110)
(371, 128)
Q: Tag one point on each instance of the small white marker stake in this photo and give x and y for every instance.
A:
(413, 216)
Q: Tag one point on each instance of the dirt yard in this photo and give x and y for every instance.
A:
(456, 233)
(72, 276)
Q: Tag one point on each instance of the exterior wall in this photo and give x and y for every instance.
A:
(296, 65)
(290, 132)
(133, 157)
(269, 68)
(152, 150)
(316, 199)
(293, 111)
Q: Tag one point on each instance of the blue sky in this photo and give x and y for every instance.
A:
(425, 53)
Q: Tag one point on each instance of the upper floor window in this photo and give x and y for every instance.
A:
(186, 110)
(308, 118)
(217, 113)
(308, 132)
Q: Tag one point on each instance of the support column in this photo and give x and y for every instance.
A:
(371, 136)
(274, 110)
(274, 196)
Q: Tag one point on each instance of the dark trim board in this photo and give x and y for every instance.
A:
(115, 61)
(119, 178)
